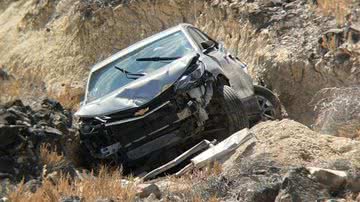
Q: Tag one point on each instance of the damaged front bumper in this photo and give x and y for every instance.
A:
(172, 118)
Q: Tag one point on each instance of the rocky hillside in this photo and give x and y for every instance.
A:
(307, 51)
(288, 44)
(279, 166)
(283, 161)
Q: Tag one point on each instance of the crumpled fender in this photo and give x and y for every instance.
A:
(139, 92)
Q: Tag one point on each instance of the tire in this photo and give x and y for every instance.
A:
(269, 103)
(233, 109)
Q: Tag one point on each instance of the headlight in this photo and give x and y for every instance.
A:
(198, 72)
(187, 81)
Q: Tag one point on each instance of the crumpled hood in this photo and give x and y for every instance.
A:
(139, 92)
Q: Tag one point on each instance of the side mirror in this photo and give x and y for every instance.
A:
(208, 44)
(221, 47)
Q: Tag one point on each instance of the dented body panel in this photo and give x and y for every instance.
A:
(138, 92)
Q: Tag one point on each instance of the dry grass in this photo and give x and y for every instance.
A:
(9, 90)
(32, 89)
(69, 96)
(106, 185)
(26, 87)
(49, 156)
(338, 8)
(199, 199)
(192, 186)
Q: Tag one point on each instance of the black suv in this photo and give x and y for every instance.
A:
(174, 88)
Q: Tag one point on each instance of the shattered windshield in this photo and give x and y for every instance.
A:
(110, 78)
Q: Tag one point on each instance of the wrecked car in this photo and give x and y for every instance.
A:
(175, 87)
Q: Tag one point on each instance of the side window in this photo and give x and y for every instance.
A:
(206, 38)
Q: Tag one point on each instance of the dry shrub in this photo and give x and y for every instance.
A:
(49, 156)
(9, 90)
(337, 8)
(32, 89)
(29, 88)
(192, 186)
(215, 169)
(214, 199)
(106, 185)
(69, 96)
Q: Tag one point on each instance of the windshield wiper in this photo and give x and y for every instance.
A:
(155, 59)
(128, 74)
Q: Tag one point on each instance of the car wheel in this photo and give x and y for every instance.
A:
(233, 109)
(270, 106)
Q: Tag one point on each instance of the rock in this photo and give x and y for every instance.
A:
(353, 181)
(174, 198)
(255, 179)
(266, 193)
(144, 190)
(240, 152)
(72, 199)
(105, 200)
(297, 186)
(23, 130)
(151, 198)
(335, 200)
(33, 185)
(9, 134)
(4, 199)
(7, 165)
(341, 164)
(338, 111)
(334, 179)
(4, 75)
(124, 182)
(7, 118)
(279, 166)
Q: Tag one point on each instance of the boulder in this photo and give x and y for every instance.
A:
(286, 161)
(72, 199)
(4, 199)
(297, 186)
(151, 198)
(338, 111)
(335, 180)
(23, 130)
(9, 134)
(145, 190)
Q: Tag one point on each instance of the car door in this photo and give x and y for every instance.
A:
(239, 79)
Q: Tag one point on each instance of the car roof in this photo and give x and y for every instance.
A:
(139, 44)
